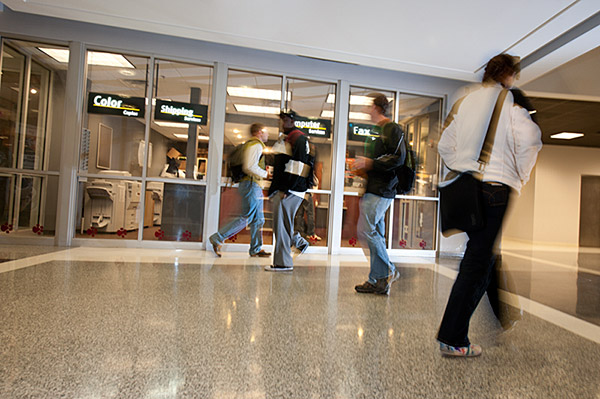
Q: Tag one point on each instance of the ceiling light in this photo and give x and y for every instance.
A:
(94, 57)
(236, 130)
(532, 112)
(359, 116)
(250, 92)
(239, 136)
(185, 136)
(127, 72)
(566, 136)
(356, 99)
(108, 59)
(256, 109)
(353, 115)
(33, 91)
(178, 125)
(60, 55)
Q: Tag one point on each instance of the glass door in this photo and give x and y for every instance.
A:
(31, 98)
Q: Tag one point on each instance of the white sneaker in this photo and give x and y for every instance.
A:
(273, 268)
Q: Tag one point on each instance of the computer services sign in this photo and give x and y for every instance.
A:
(314, 127)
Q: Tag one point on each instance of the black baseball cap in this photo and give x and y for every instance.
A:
(289, 113)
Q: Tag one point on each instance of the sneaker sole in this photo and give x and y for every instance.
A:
(459, 354)
(279, 269)
(373, 292)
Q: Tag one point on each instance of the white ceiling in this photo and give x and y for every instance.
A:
(450, 39)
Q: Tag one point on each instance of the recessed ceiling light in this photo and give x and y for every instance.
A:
(566, 136)
(251, 92)
(356, 99)
(178, 125)
(352, 115)
(239, 136)
(236, 130)
(185, 136)
(256, 109)
(33, 91)
(94, 57)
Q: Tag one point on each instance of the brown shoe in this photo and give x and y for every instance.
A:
(261, 254)
(381, 287)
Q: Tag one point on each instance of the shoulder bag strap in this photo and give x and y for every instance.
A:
(488, 142)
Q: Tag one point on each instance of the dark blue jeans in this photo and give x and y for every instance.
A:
(475, 268)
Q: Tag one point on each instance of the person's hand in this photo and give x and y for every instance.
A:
(363, 164)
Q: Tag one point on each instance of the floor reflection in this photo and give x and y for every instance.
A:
(208, 327)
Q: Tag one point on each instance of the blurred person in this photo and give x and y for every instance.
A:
(251, 193)
(385, 155)
(292, 176)
(514, 153)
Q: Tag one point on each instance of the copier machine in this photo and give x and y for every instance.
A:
(112, 204)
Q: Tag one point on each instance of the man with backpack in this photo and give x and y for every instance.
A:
(292, 176)
(253, 170)
(384, 157)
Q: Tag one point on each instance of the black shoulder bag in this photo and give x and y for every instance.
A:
(461, 204)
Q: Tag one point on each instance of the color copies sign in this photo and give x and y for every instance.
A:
(314, 127)
(111, 104)
(174, 111)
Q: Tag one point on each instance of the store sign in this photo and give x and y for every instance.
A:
(314, 127)
(111, 104)
(360, 131)
(174, 111)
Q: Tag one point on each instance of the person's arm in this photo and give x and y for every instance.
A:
(394, 149)
(527, 140)
(250, 165)
(447, 145)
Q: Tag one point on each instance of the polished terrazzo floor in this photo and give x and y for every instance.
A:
(101, 323)
(14, 252)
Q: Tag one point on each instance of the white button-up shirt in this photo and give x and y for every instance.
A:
(516, 144)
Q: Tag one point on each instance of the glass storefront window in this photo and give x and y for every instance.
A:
(27, 206)
(32, 86)
(114, 115)
(180, 123)
(112, 145)
(256, 98)
(251, 98)
(360, 135)
(421, 119)
(11, 89)
(414, 224)
(174, 211)
(178, 151)
(314, 102)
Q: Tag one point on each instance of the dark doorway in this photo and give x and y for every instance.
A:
(589, 215)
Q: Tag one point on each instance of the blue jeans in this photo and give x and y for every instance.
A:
(252, 215)
(476, 267)
(371, 230)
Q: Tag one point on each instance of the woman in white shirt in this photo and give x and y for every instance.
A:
(514, 152)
